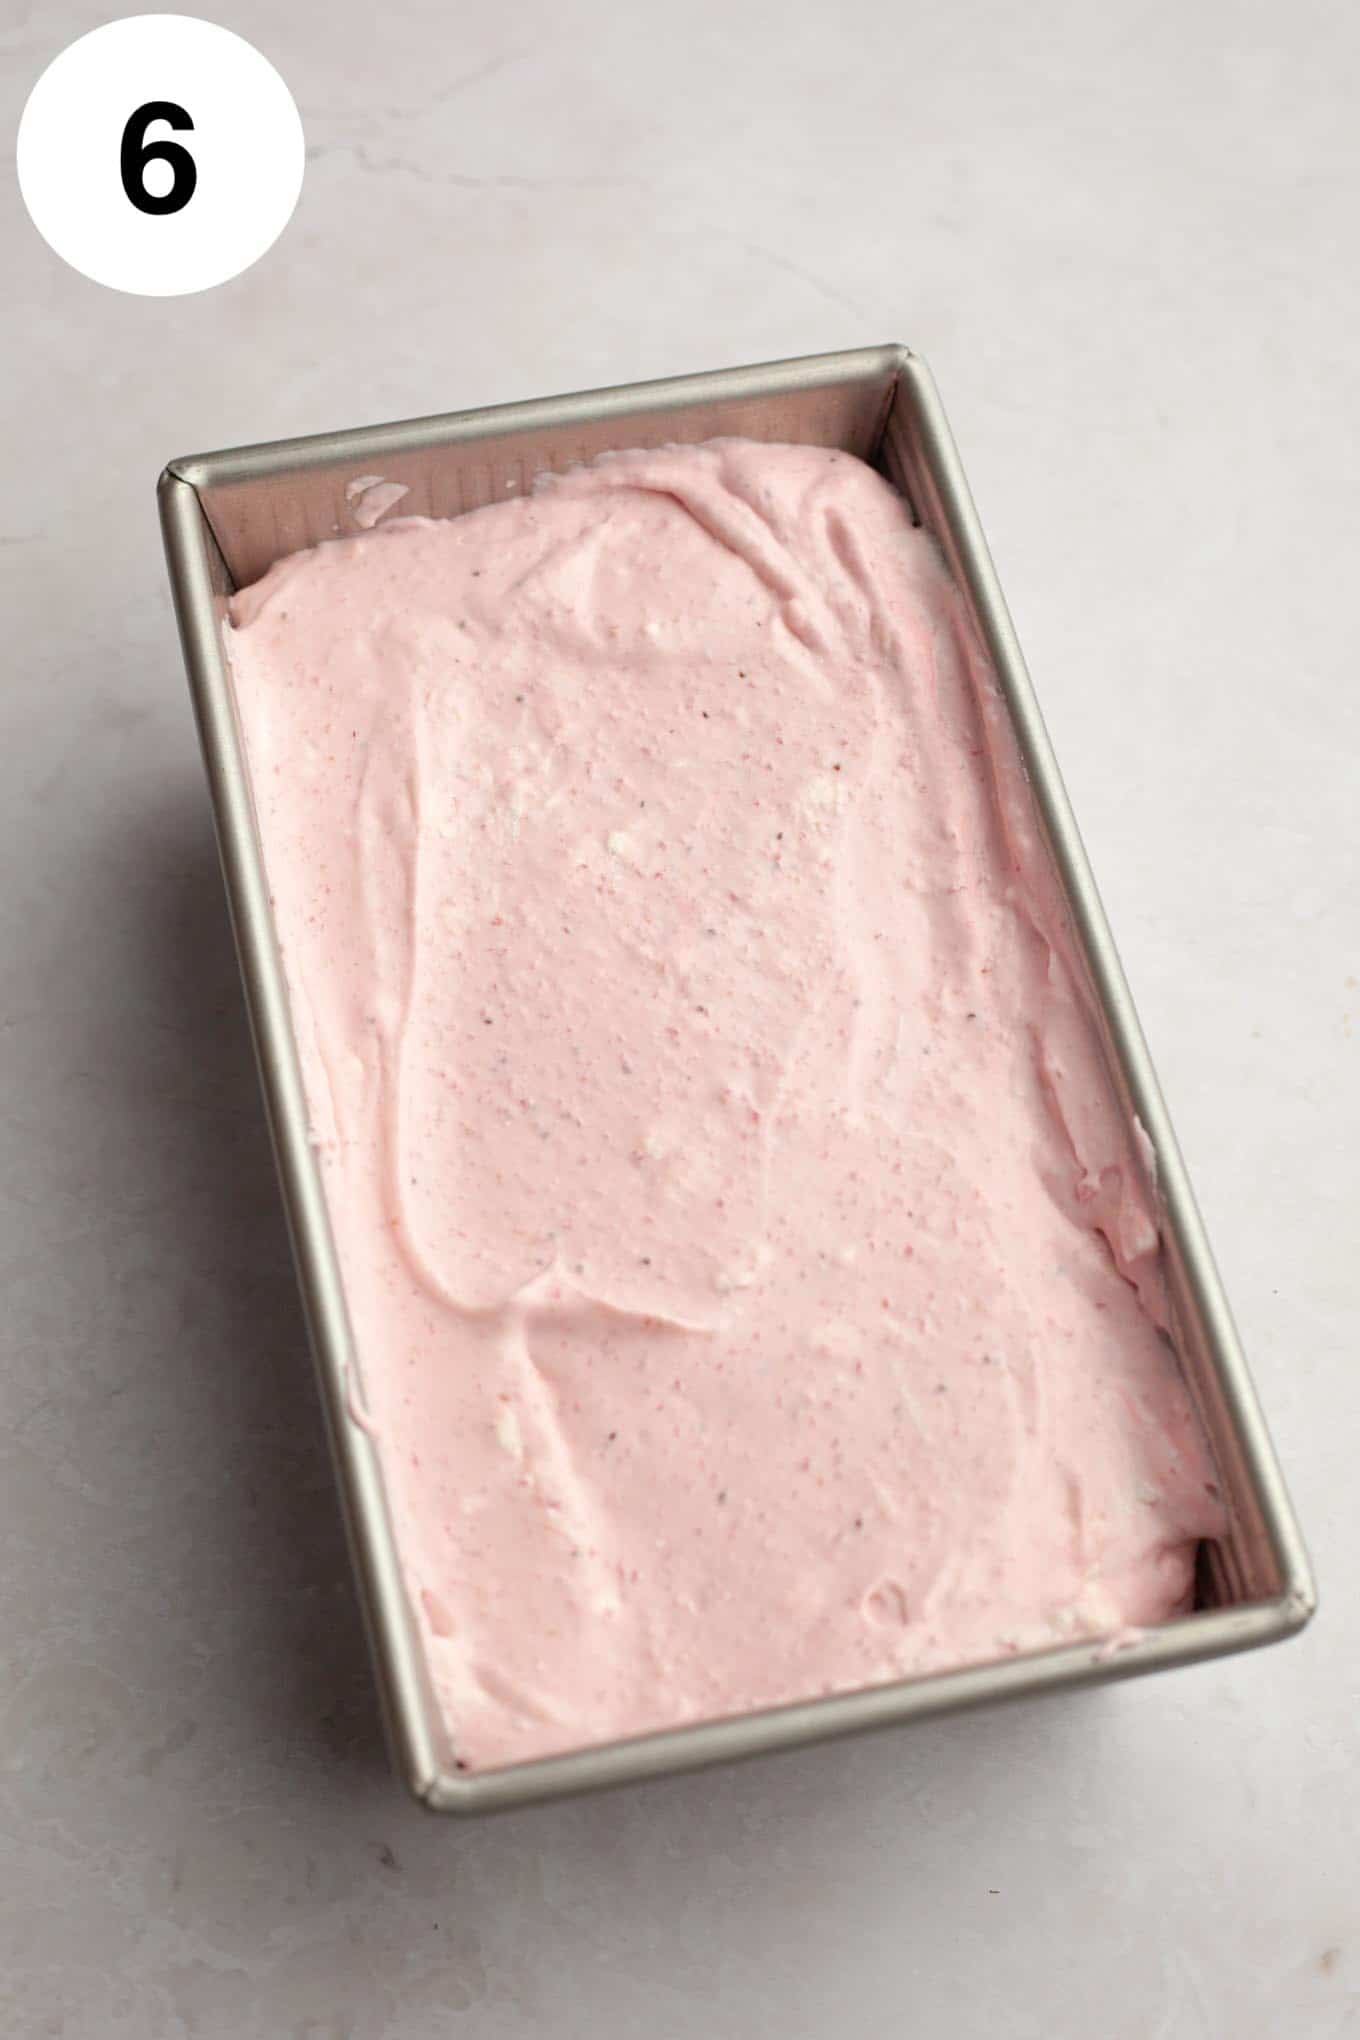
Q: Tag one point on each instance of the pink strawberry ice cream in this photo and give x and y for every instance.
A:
(755, 1287)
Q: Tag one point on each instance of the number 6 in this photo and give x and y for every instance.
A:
(137, 152)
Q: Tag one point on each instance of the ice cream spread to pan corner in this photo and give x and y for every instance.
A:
(755, 1289)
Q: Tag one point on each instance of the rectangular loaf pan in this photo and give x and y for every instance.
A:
(228, 516)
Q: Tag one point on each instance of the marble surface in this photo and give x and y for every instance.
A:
(1124, 237)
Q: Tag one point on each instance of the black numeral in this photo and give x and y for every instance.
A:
(137, 152)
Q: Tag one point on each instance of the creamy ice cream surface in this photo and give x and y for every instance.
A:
(755, 1287)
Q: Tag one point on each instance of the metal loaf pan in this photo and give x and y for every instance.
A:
(226, 518)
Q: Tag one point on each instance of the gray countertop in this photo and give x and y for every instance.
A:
(1123, 236)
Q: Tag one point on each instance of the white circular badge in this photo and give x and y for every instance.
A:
(160, 155)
